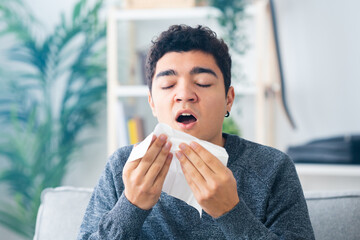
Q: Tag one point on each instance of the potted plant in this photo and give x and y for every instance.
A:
(232, 15)
(52, 94)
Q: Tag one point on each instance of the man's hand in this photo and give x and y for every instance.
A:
(212, 183)
(144, 178)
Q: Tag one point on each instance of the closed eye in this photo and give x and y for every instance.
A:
(167, 87)
(203, 85)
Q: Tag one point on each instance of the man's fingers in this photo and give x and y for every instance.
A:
(159, 181)
(192, 175)
(139, 176)
(158, 163)
(211, 161)
(130, 166)
(151, 154)
(152, 140)
(197, 160)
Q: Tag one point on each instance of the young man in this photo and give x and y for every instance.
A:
(256, 196)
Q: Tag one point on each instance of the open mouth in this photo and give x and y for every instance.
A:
(186, 118)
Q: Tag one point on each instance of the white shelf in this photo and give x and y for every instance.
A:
(132, 91)
(328, 170)
(166, 13)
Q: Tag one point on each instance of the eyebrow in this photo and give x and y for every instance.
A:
(169, 72)
(195, 70)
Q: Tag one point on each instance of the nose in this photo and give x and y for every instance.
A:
(185, 93)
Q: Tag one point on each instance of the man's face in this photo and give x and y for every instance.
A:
(188, 93)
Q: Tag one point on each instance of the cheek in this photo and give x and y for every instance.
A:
(216, 105)
(161, 107)
(214, 112)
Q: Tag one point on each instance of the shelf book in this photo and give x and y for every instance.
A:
(130, 129)
(135, 130)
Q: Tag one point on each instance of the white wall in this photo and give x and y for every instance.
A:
(321, 57)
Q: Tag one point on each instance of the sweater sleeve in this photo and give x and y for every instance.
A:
(109, 214)
(286, 213)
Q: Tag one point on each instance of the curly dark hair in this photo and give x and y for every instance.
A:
(183, 38)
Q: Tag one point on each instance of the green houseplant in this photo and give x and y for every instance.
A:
(46, 101)
(231, 19)
(232, 15)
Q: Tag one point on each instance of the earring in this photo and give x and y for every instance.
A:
(227, 114)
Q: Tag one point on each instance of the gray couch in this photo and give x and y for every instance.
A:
(334, 215)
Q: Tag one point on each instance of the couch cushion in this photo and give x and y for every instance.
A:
(334, 215)
(61, 213)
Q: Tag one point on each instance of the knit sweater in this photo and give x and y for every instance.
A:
(271, 206)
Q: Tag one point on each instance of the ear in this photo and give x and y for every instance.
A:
(230, 98)
(151, 103)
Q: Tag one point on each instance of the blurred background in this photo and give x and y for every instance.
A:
(72, 88)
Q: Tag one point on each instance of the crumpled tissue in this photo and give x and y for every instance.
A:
(175, 183)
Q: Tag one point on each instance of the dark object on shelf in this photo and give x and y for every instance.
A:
(336, 150)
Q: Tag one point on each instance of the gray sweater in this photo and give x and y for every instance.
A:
(272, 204)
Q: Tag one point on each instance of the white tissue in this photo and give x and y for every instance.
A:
(175, 183)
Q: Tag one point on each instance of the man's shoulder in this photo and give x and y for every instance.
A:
(254, 158)
(249, 149)
(263, 151)
(120, 156)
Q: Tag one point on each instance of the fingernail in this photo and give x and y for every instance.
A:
(182, 146)
(167, 145)
(179, 155)
(194, 145)
(162, 137)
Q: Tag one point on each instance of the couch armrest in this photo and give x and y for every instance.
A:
(61, 212)
(335, 215)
